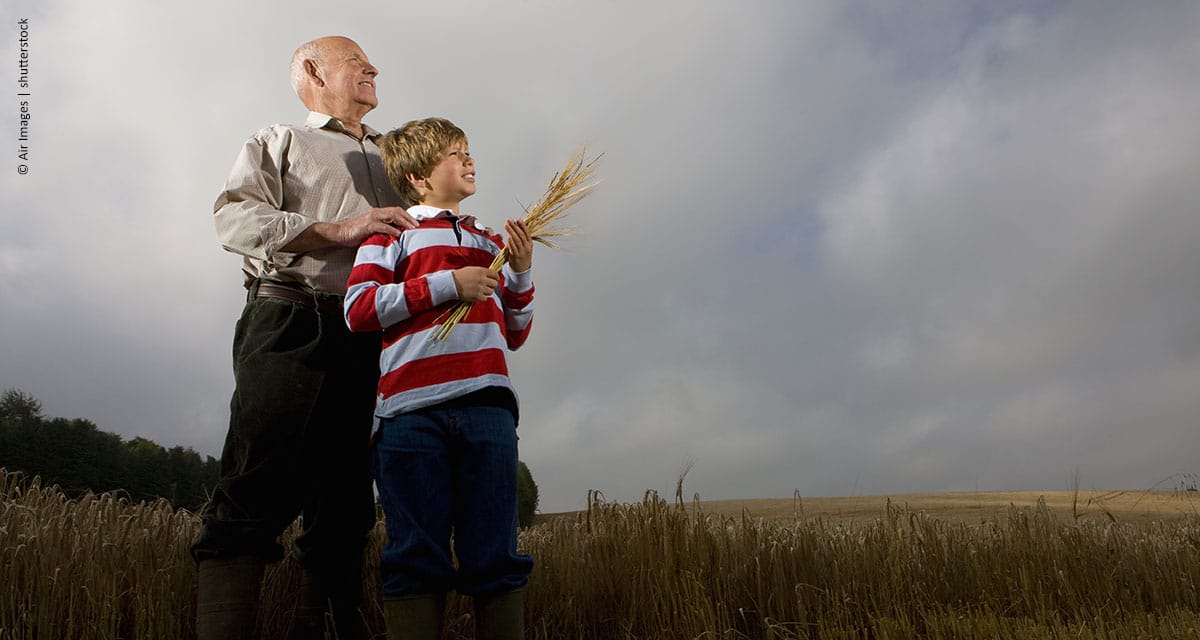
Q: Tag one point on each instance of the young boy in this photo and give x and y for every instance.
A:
(445, 443)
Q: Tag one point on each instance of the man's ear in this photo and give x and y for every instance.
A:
(311, 70)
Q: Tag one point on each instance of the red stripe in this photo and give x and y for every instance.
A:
(379, 240)
(517, 338)
(393, 334)
(494, 238)
(514, 300)
(442, 257)
(417, 296)
(369, 272)
(441, 369)
(361, 316)
(484, 312)
(415, 324)
(435, 223)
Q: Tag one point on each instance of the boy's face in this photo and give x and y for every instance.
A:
(453, 179)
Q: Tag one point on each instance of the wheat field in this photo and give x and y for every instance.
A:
(102, 567)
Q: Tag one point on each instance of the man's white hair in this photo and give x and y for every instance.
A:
(307, 51)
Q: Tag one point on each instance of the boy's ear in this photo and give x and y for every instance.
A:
(419, 183)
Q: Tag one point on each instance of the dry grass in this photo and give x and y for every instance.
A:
(97, 567)
(974, 507)
(570, 185)
(660, 571)
(101, 567)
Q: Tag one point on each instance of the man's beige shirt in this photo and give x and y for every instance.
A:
(285, 179)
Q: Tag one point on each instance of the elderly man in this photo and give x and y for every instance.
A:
(297, 204)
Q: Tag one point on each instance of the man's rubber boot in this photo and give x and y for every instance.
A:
(414, 617)
(500, 616)
(328, 606)
(227, 598)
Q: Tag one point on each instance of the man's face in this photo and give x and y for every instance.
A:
(349, 79)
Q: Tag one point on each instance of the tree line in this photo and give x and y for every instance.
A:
(78, 457)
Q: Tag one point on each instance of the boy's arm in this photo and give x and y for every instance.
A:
(374, 301)
(517, 298)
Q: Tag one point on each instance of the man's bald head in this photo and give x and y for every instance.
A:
(332, 75)
(310, 50)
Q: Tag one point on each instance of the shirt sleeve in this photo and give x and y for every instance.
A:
(375, 301)
(248, 213)
(517, 298)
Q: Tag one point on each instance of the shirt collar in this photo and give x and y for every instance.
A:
(318, 120)
(421, 212)
(424, 212)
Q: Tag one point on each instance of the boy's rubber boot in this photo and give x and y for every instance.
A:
(227, 597)
(414, 617)
(500, 616)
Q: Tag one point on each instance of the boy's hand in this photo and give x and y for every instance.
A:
(519, 245)
(475, 284)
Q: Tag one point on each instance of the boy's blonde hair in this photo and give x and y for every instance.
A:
(415, 149)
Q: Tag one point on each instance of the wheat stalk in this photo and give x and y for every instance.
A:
(566, 188)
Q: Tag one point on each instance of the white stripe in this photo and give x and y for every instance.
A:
(377, 255)
(518, 282)
(390, 304)
(441, 287)
(351, 295)
(518, 319)
(479, 241)
(428, 239)
(435, 393)
(435, 238)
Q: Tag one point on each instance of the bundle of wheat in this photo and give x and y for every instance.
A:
(566, 188)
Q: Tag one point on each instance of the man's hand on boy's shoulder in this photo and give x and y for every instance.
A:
(351, 233)
(388, 220)
(475, 284)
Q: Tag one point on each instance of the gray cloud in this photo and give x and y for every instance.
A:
(839, 248)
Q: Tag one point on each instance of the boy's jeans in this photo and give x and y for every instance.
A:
(445, 469)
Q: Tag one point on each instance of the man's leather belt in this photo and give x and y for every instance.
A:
(306, 298)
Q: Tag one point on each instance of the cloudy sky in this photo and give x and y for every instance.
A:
(841, 248)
